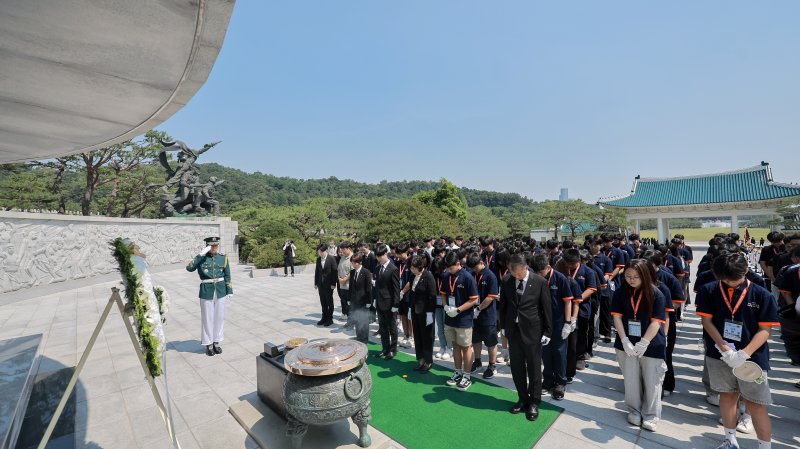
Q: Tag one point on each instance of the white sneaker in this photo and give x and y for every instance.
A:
(500, 358)
(745, 425)
(634, 420)
(713, 399)
(404, 343)
(447, 354)
(650, 424)
(438, 355)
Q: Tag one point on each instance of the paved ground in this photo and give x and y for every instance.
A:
(116, 411)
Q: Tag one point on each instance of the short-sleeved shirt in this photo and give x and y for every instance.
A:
(487, 286)
(769, 252)
(404, 270)
(488, 260)
(669, 306)
(616, 256)
(587, 280)
(675, 265)
(703, 278)
(686, 254)
(673, 284)
(705, 263)
(463, 287)
(788, 280)
(560, 293)
(758, 308)
(629, 249)
(622, 305)
(604, 263)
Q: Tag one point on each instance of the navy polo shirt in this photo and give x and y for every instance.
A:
(560, 293)
(703, 278)
(604, 263)
(670, 308)
(629, 249)
(759, 307)
(788, 281)
(616, 256)
(756, 278)
(487, 286)
(673, 284)
(621, 306)
(404, 270)
(488, 260)
(587, 280)
(601, 280)
(686, 253)
(675, 265)
(461, 285)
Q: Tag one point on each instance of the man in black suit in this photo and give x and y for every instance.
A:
(360, 297)
(325, 279)
(387, 285)
(526, 321)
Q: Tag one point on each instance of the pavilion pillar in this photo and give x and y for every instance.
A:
(667, 232)
(735, 224)
(638, 229)
(660, 228)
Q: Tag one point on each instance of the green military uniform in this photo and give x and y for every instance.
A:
(215, 289)
(211, 267)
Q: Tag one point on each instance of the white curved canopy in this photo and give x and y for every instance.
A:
(76, 75)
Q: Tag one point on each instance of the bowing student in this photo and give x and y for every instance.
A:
(360, 297)
(639, 311)
(424, 291)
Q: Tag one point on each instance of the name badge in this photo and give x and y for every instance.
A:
(732, 330)
(634, 329)
(439, 301)
(475, 312)
(451, 301)
(401, 284)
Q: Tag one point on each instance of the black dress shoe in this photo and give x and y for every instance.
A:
(425, 368)
(327, 323)
(209, 350)
(390, 355)
(382, 354)
(320, 322)
(518, 407)
(217, 349)
(532, 412)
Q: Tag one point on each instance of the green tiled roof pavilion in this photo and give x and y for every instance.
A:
(750, 184)
(750, 191)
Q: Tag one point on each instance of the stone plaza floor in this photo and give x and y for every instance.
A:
(115, 409)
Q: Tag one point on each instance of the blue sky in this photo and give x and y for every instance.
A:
(512, 96)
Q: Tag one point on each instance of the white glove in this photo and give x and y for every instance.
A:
(429, 318)
(205, 251)
(545, 340)
(641, 347)
(628, 347)
(451, 311)
(503, 332)
(573, 323)
(566, 330)
(395, 309)
(230, 295)
(737, 359)
(726, 355)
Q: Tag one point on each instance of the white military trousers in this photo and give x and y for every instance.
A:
(212, 320)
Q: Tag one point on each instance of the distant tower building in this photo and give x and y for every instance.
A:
(564, 196)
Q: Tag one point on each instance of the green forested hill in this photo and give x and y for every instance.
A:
(241, 188)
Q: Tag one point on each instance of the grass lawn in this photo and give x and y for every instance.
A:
(705, 234)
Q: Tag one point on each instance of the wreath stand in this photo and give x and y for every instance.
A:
(166, 414)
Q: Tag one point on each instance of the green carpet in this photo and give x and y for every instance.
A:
(422, 412)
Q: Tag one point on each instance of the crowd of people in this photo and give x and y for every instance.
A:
(543, 307)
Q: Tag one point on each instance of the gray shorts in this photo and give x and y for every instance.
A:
(723, 381)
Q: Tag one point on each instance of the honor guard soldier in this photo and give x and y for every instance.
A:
(215, 289)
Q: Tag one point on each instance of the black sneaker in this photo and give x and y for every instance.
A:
(217, 349)
(475, 365)
(455, 379)
(464, 384)
(570, 380)
(558, 392)
(209, 350)
(490, 371)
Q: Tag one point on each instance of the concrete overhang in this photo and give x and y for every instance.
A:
(77, 75)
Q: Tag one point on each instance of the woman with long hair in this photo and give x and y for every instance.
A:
(639, 312)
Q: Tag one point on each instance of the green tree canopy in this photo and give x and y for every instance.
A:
(448, 198)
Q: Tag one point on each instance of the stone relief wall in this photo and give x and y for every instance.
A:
(43, 250)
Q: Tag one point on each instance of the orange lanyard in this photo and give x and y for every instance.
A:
(452, 284)
(503, 274)
(576, 271)
(489, 260)
(729, 298)
(479, 278)
(550, 278)
(638, 302)
(439, 284)
(402, 267)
